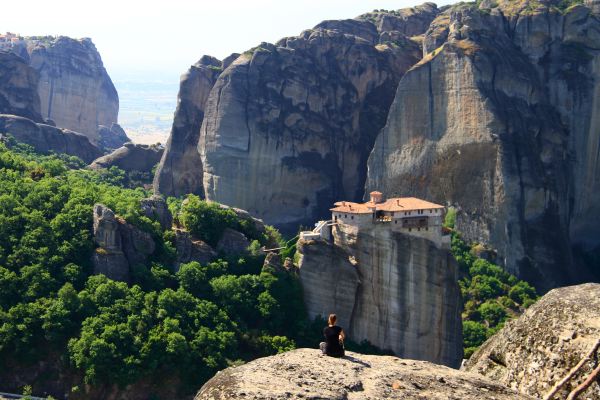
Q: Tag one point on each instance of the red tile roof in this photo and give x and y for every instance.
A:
(396, 204)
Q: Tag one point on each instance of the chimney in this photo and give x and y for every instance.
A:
(376, 197)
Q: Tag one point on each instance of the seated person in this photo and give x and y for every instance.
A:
(334, 338)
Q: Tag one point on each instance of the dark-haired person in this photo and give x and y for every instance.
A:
(334, 338)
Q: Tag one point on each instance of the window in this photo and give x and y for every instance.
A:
(392, 213)
(352, 217)
(345, 215)
(396, 221)
(409, 229)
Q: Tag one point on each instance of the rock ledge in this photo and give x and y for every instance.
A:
(305, 373)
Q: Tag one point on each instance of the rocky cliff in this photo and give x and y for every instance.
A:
(305, 373)
(75, 89)
(287, 127)
(18, 88)
(180, 170)
(500, 118)
(121, 246)
(491, 107)
(46, 138)
(534, 352)
(396, 291)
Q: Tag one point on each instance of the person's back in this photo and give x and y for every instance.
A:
(334, 339)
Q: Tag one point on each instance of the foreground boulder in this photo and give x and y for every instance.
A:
(305, 373)
(531, 354)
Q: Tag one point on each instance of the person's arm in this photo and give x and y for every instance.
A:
(342, 335)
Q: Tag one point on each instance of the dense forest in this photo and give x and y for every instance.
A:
(178, 325)
(165, 326)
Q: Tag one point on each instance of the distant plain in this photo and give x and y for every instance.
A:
(146, 104)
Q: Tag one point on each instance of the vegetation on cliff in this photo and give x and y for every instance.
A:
(491, 295)
(179, 327)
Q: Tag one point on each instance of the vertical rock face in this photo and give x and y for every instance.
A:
(180, 170)
(287, 128)
(500, 118)
(398, 292)
(75, 89)
(18, 88)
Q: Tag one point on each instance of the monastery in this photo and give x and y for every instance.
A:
(408, 215)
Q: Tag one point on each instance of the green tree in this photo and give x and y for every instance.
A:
(492, 312)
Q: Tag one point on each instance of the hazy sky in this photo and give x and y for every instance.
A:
(167, 36)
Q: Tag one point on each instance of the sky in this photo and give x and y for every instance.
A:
(163, 38)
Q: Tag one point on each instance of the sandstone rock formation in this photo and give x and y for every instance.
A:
(190, 249)
(75, 89)
(534, 352)
(396, 291)
(180, 170)
(112, 137)
(500, 118)
(497, 115)
(45, 138)
(233, 242)
(155, 207)
(131, 157)
(120, 245)
(306, 374)
(18, 88)
(287, 127)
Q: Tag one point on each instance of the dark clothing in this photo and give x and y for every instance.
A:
(333, 346)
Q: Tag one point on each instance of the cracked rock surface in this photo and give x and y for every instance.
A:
(537, 350)
(306, 374)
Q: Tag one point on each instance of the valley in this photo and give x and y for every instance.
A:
(429, 174)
